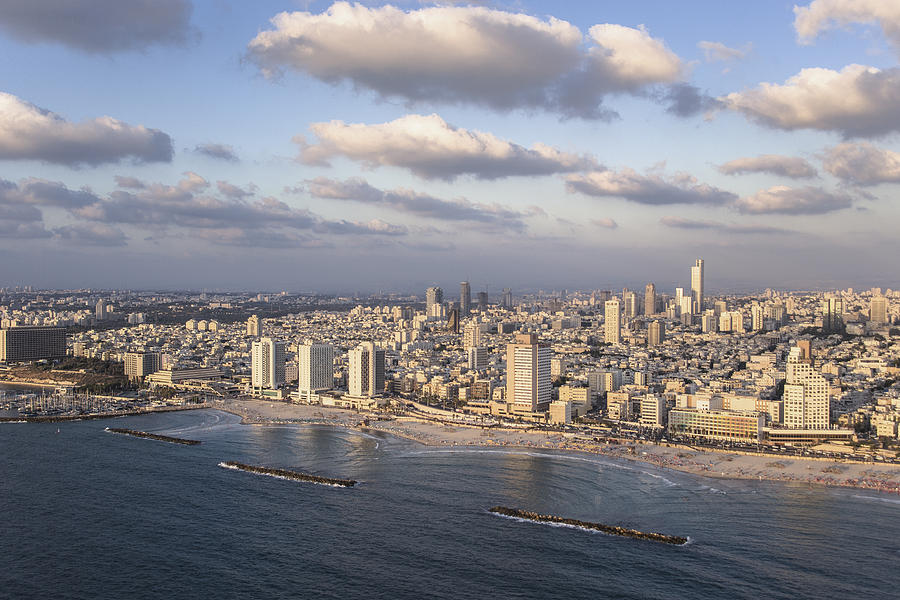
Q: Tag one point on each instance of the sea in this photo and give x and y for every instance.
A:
(91, 514)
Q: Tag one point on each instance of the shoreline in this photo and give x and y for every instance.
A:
(702, 462)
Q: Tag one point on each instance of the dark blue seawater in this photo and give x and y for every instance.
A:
(89, 514)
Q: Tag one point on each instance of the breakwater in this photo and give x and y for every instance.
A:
(608, 529)
(152, 436)
(286, 474)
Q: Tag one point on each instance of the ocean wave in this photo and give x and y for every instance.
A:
(877, 499)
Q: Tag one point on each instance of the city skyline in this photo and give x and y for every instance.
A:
(183, 144)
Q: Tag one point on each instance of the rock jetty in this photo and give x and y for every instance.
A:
(152, 436)
(608, 529)
(293, 475)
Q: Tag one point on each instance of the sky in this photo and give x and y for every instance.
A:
(362, 147)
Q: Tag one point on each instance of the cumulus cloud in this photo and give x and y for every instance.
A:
(91, 234)
(433, 149)
(45, 193)
(863, 164)
(857, 101)
(22, 231)
(683, 223)
(219, 151)
(98, 26)
(776, 164)
(686, 100)
(28, 132)
(605, 222)
(822, 15)
(653, 189)
(466, 54)
(420, 205)
(793, 201)
(189, 204)
(717, 51)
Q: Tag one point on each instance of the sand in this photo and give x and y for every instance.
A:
(876, 476)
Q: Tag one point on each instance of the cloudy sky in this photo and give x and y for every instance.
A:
(319, 146)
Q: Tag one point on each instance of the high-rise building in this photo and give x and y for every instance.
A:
(878, 310)
(472, 335)
(757, 319)
(465, 298)
(315, 367)
(528, 373)
(18, 344)
(140, 364)
(832, 313)
(629, 299)
(433, 296)
(477, 357)
(679, 299)
(482, 301)
(101, 310)
(656, 333)
(507, 299)
(366, 378)
(806, 400)
(612, 321)
(650, 299)
(254, 328)
(267, 364)
(697, 286)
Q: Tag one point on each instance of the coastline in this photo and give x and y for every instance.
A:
(707, 463)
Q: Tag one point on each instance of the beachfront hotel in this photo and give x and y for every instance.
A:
(722, 425)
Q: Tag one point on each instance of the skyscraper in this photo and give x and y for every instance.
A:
(366, 371)
(656, 333)
(757, 319)
(613, 321)
(482, 301)
(465, 298)
(832, 313)
(629, 299)
(267, 364)
(472, 335)
(650, 299)
(315, 367)
(806, 402)
(433, 296)
(101, 310)
(878, 310)
(528, 373)
(697, 286)
(253, 326)
(507, 299)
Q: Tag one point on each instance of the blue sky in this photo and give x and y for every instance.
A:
(389, 147)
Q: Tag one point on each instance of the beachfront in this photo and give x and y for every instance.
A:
(882, 477)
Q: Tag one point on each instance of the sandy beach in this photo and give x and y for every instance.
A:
(882, 477)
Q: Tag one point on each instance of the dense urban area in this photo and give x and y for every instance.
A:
(776, 369)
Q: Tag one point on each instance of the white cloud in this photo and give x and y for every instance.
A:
(822, 15)
(776, 164)
(220, 151)
(605, 222)
(466, 54)
(31, 133)
(749, 229)
(98, 26)
(857, 101)
(492, 216)
(863, 163)
(717, 51)
(651, 189)
(793, 201)
(433, 149)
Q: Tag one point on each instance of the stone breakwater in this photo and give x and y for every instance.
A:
(152, 436)
(292, 475)
(608, 529)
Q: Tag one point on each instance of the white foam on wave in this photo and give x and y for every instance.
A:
(877, 499)
(22, 421)
(599, 460)
(282, 477)
(570, 526)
